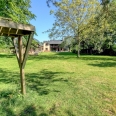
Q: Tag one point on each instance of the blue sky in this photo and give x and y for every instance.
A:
(43, 20)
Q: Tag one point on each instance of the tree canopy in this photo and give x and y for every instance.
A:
(91, 22)
(17, 10)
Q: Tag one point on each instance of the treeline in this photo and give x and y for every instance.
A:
(87, 27)
(107, 48)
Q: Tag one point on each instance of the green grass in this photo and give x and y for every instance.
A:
(59, 84)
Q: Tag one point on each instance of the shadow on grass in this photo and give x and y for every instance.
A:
(69, 113)
(9, 98)
(96, 57)
(104, 64)
(7, 55)
(55, 56)
(4, 101)
(100, 61)
(8, 101)
(63, 56)
(69, 55)
(65, 53)
(29, 111)
(87, 57)
(40, 82)
(9, 77)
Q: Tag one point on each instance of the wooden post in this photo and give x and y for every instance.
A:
(22, 75)
(16, 49)
(27, 49)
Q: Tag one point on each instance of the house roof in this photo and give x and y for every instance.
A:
(53, 42)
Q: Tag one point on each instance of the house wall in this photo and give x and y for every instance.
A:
(46, 47)
(52, 46)
(55, 47)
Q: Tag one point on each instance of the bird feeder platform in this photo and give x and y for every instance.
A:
(17, 30)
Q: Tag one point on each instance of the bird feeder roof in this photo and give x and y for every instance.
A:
(14, 29)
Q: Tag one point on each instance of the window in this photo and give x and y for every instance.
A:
(46, 44)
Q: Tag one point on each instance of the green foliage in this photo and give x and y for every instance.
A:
(5, 41)
(72, 18)
(91, 22)
(114, 47)
(17, 10)
(34, 43)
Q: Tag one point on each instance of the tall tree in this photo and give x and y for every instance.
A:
(71, 18)
(102, 29)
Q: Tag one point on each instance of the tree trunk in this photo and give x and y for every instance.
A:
(78, 49)
(22, 75)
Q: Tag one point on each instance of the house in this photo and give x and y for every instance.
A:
(52, 45)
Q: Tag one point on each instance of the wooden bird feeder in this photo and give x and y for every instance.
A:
(18, 30)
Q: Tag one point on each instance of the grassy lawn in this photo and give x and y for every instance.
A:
(59, 84)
